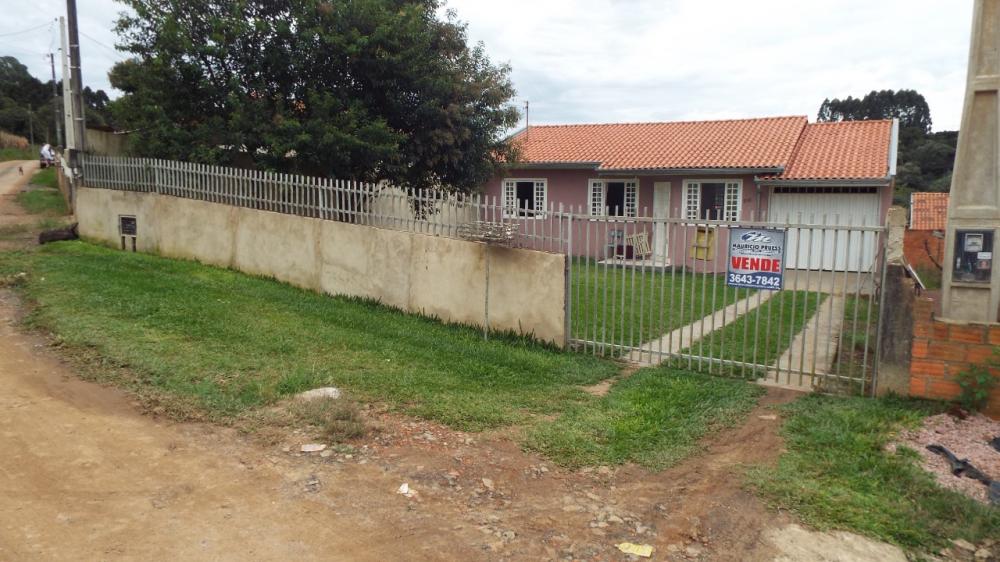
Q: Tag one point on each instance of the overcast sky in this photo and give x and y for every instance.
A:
(657, 60)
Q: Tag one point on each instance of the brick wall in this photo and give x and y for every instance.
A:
(922, 249)
(941, 350)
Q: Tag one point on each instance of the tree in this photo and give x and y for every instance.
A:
(906, 105)
(19, 91)
(362, 89)
(925, 159)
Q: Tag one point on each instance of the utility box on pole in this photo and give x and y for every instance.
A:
(971, 284)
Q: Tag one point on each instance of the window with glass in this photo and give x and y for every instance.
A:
(712, 200)
(614, 198)
(524, 197)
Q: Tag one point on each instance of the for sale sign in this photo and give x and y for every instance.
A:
(756, 258)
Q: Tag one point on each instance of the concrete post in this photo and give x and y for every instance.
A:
(897, 228)
(971, 285)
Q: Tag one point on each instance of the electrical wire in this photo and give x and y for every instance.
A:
(25, 30)
(117, 54)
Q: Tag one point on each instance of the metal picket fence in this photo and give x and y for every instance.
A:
(425, 211)
(650, 290)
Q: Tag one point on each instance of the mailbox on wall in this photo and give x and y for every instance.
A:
(973, 256)
(128, 229)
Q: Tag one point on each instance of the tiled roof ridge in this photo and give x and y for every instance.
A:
(842, 121)
(687, 122)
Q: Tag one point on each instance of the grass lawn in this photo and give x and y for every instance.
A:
(46, 177)
(856, 354)
(759, 336)
(49, 201)
(10, 153)
(226, 343)
(654, 418)
(837, 474)
(630, 306)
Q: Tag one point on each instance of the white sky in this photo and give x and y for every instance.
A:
(647, 60)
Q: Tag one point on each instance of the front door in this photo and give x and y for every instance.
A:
(661, 211)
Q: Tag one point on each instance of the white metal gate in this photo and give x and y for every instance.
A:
(672, 305)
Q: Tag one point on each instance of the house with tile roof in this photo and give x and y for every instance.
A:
(923, 242)
(776, 169)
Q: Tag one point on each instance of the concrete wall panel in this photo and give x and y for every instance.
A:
(519, 277)
(365, 262)
(445, 272)
(196, 230)
(277, 245)
(415, 272)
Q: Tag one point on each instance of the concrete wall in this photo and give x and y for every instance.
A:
(105, 143)
(415, 272)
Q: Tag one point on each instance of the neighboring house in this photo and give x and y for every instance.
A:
(923, 242)
(770, 169)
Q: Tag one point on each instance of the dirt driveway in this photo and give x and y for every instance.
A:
(11, 182)
(85, 476)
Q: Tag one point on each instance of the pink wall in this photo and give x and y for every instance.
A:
(569, 187)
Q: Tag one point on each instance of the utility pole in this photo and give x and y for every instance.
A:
(67, 91)
(55, 101)
(76, 83)
(31, 127)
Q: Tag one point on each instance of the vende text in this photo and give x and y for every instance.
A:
(757, 264)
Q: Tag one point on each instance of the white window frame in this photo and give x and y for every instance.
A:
(597, 191)
(732, 206)
(508, 193)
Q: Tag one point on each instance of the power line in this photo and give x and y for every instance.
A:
(111, 49)
(24, 30)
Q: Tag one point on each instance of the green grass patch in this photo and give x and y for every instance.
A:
(856, 353)
(48, 202)
(759, 336)
(654, 418)
(46, 178)
(836, 474)
(230, 342)
(630, 306)
(10, 153)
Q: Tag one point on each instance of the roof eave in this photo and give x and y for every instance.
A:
(860, 182)
(689, 171)
(556, 165)
(893, 146)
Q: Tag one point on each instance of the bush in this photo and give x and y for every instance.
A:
(976, 382)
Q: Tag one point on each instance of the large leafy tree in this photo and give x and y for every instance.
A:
(364, 89)
(26, 102)
(908, 106)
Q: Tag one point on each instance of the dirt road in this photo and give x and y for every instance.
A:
(85, 476)
(11, 182)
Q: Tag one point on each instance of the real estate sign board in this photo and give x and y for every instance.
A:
(756, 258)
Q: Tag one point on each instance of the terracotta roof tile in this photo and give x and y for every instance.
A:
(741, 143)
(841, 150)
(928, 211)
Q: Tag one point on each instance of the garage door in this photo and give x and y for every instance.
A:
(828, 248)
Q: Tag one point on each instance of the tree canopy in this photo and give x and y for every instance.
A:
(363, 89)
(26, 102)
(925, 158)
(906, 105)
